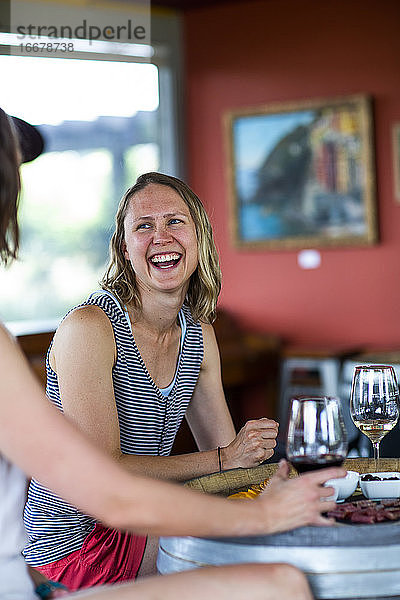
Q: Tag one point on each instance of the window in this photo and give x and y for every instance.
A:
(103, 125)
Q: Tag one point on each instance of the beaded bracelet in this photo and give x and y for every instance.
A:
(44, 590)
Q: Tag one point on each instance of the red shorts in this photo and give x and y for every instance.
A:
(107, 556)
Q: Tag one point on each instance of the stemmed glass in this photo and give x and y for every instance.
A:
(317, 434)
(374, 402)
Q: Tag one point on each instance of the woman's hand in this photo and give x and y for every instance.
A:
(297, 502)
(254, 443)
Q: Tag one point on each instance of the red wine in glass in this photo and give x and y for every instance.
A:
(303, 464)
(317, 435)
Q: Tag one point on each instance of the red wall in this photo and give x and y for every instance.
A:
(251, 53)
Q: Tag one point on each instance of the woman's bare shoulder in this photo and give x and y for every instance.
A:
(86, 323)
(208, 333)
(210, 345)
(85, 332)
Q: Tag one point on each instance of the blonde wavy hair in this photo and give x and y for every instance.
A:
(205, 282)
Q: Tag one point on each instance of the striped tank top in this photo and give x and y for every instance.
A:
(149, 419)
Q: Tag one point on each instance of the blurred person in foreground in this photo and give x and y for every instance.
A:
(56, 453)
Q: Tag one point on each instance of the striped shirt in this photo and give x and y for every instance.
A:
(148, 419)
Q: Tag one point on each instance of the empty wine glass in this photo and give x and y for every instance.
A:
(317, 434)
(374, 402)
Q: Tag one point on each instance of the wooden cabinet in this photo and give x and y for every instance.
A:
(35, 348)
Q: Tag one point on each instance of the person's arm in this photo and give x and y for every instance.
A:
(210, 421)
(41, 441)
(83, 356)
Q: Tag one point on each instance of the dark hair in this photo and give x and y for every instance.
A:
(205, 283)
(10, 186)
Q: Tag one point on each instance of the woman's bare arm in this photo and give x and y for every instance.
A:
(83, 356)
(210, 421)
(35, 436)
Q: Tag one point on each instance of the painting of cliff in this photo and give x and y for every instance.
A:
(302, 174)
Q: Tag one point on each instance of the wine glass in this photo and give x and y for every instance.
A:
(317, 434)
(374, 402)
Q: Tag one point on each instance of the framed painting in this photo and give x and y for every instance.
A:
(396, 160)
(302, 175)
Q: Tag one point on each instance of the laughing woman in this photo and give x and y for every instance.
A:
(128, 365)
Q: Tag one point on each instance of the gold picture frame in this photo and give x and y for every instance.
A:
(301, 174)
(396, 160)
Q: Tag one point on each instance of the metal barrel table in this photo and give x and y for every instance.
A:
(341, 562)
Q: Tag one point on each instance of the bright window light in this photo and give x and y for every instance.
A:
(52, 90)
(100, 123)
